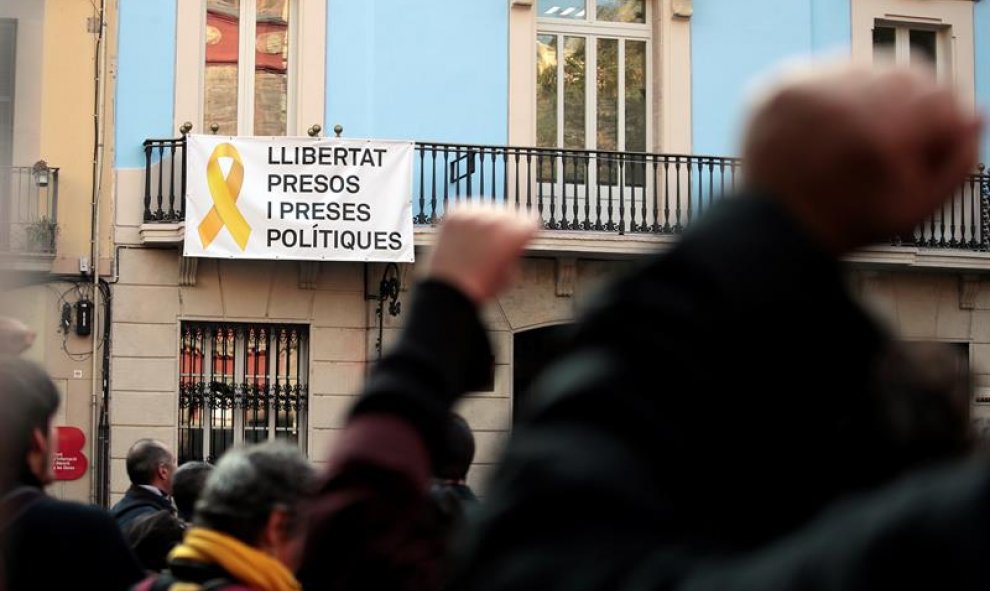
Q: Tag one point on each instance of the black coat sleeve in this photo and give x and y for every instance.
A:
(442, 352)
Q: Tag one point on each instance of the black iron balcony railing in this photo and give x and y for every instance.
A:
(580, 190)
(28, 209)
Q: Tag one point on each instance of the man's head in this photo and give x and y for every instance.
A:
(255, 494)
(28, 401)
(187, 486)
(150, 463)
(458, 454)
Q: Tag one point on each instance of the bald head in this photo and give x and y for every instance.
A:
(150, 462)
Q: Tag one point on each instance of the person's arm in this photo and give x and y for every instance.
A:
(366, 522)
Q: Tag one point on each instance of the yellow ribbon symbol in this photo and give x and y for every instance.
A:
(224, 192)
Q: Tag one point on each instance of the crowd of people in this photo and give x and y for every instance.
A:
(792, 444)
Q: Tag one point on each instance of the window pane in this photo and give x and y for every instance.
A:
(546, 90)
(607, 136)
(574, 91)
(271, 68)
(222, 44)
(621, 11)
(923, 48)
(572, 9)
(635, 108)
(608, 94)
(635, 96)
(883, 44)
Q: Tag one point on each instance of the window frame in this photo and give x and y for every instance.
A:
(902, 43)
(590, 21)
(239, 409)
(308, 85)
(592, 30)
(955, 17)
(247, 37)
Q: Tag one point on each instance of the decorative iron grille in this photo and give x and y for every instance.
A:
(241, 383)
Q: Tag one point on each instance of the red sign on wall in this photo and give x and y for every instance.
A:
(70, 462)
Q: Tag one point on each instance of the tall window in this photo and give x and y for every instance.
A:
(913, 45)
(241, 383)
(593, 74)
(247, 66)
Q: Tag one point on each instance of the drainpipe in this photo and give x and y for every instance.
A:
(100, 478)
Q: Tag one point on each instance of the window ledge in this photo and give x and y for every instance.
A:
(27, 262)
(615, 246)
(163, 234)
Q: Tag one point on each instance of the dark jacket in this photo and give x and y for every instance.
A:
(712, 404)
(208, 577)
(373, 524)
(52, 544)
(152, 536)
(138, 502)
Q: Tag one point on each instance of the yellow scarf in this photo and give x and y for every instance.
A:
(250, 566)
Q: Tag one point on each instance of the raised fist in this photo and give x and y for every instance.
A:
(478, 248)
(860, 154)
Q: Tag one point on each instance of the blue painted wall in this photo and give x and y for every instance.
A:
(733, 43)
(145, 77)
(981, 21)
(831, 25)
(408, 69)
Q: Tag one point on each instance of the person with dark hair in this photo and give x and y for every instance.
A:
(150, 466)
(187, 485)
(450, 491)
(152, 535)
(46, 543)
(244, 525)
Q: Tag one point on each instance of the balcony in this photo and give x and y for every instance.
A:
(28, 215)
(594, 201)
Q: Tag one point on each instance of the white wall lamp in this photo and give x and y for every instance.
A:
(40, 171)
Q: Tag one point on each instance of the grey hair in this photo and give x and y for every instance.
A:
(248, 484)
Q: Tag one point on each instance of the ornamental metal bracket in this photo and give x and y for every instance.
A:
(388, 291)
(188, 271)
(566, 276)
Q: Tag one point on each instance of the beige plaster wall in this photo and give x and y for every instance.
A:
(944, 307)
(149, 304)
(38, 306)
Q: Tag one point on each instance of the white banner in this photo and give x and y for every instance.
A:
(299, 198)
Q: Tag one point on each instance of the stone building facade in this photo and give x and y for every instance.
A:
(464, 73)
